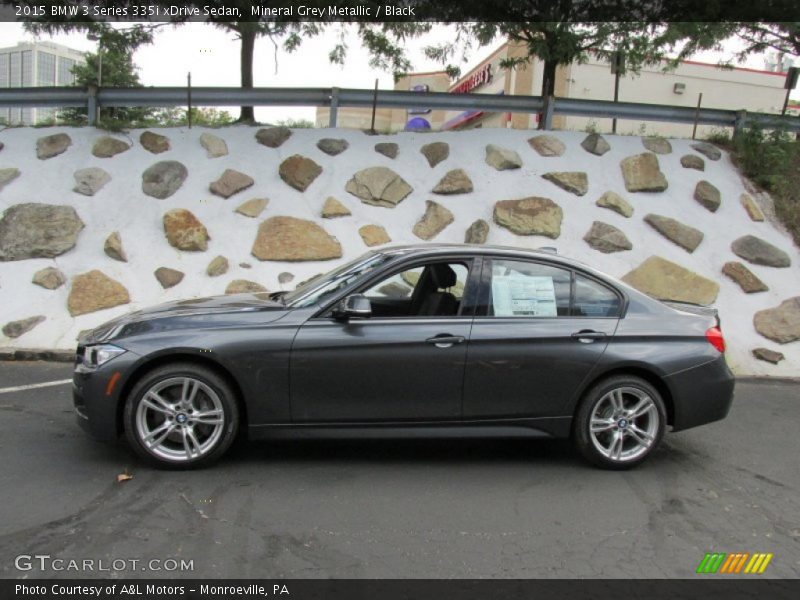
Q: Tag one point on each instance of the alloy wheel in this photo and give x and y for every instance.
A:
(624, 424)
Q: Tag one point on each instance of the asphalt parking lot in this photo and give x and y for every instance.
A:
(473, 508)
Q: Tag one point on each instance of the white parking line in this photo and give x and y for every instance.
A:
(33, 386)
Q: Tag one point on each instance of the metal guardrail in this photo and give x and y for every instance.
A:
(92, 98)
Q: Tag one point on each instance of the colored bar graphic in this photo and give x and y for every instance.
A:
(722, 563)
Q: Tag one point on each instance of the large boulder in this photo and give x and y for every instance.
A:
(679, 233)
(388, 149)
(379, 186)
(454, 182)
(14, 329)
(299, 172)
(692, 161)
(547, 145)
(168, 277)
(664, 280)
(530, 216)
(502, 159)
(90, 181)
(113, 247)
(657, 145)
(273, 137)
(164, 178)
(596, 144)
(615, 202)
(7, 176)
(253, 207)
(333, 209)
(707, 195)
(435, 152)
(52, 145)
(759, 252)
(332, 147)
(184, 231)
(607, 238)
(374, 235)
(49, 278)
(244, 286)
(477, 232)
(154, 142)
(435, 219)
(575, 182)
(292, 239)
(753, 210)
(744, 277)
(711, 152)
(230, 182)
(214, 145)
(780, 324)
(107, 146)
(95, 291)
(643, 174)
(38, 231)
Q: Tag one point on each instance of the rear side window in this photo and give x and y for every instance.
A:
(593, 299)
(526, 289)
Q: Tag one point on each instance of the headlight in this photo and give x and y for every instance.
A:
(94, 356)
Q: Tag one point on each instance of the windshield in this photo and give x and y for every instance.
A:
(323, 286)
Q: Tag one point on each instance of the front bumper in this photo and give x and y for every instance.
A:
(701, 395)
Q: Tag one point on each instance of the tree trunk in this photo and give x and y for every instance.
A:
(248, 37)
(548, 85)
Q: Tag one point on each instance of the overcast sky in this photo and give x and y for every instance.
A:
(212, 56)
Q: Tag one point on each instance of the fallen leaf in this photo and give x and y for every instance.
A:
(124, 477)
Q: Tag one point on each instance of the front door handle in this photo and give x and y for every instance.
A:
(587, 336)
(445, 340)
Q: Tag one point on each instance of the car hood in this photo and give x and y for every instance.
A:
(177, 314)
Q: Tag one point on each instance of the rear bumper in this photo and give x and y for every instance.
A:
(701, 395)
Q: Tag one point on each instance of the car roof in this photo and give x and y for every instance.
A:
(548, 252)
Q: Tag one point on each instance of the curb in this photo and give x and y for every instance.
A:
(63, 356)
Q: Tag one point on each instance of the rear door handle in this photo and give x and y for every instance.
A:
(587, 336)
(445, 340)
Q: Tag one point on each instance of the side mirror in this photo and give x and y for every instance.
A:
(353, 306)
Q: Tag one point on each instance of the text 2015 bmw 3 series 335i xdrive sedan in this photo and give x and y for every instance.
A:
(416, 340)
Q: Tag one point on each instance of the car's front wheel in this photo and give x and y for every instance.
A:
(620, 422)
(181, 416)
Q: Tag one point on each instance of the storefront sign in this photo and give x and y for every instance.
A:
(477, 79)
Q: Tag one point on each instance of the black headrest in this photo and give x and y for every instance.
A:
(442, 275)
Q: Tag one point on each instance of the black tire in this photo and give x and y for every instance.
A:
(598, 398)
(212, 390)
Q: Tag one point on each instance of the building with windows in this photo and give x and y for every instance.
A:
(35, 64)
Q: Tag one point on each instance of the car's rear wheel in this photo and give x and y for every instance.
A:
(181, 416)
(620, 422)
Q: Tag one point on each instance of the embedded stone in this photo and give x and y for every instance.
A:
(374, 235)
(708, 150)
(707, 195)
(606, 238)
(49, 278)
(615, 202)
(163, 179)
(52, 145)
(7, 176)
(333, 209)
(273, 137)
(643, 174)
(575, 182)
(692, 161)
(529, 216)
(657, 145)
(547, 145)
(596, 144)
(753, 210)
(215, 146)
(759, 252)
(332, 147)
(90, 181)
(113, 247)
(389, 149)
(244, 286)
(435, 219)
(154, 142)
(95, 291)
(218, 266)
(253, 207)
(502, 159)
(454, 182)
(299, 172)
(293, 239)
(285, 277)
(107, 146)
(38, 231)
(744, 277)
(780, 324)
(665, 280)
(184, 231)
(14, 329)
(679, 233)
(379, 186)
(245, 265)
(230, 182)
(477, 232)
(168, 277)
(435, 152)
(767, 355)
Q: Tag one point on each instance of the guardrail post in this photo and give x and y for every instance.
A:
(740, 122)
(91, 104)
(334, 107)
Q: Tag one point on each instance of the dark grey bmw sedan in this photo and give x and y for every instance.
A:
(417, 340)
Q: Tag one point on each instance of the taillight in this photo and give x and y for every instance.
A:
(714, 337)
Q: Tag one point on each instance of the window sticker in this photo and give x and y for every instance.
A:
(519, 295)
